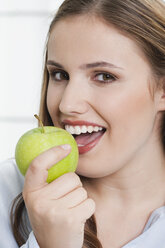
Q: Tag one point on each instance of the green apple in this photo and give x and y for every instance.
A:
(40, 139)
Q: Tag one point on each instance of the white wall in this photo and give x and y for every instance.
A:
(23, 29)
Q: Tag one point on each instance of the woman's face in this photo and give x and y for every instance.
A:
(100, 76)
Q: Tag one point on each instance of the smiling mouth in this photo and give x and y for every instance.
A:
(86, 141)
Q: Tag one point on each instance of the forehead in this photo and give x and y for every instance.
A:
(84, 37)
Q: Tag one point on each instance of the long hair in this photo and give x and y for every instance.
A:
(141, 20)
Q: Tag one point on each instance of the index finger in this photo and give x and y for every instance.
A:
(37, 172)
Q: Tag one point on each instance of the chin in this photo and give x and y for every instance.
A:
(92, 174)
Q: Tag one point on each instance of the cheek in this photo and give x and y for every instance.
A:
(131, 119)
(49, 100)
(53, 100)
(129, 110)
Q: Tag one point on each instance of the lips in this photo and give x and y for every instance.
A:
(88, 141)
(85, 143)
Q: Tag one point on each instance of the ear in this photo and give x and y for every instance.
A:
(161, 95)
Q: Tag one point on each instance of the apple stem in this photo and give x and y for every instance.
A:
(40, 123)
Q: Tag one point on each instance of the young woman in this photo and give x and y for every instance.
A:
(105, 74)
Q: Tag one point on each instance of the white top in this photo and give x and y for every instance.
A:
(11, 183)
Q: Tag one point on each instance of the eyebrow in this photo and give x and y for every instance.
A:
(86, 66)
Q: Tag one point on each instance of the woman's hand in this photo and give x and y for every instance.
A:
(57, 211)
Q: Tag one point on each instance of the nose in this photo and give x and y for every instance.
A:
(74, 99)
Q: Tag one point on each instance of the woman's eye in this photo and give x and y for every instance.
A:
(59, 75)
(105, 77)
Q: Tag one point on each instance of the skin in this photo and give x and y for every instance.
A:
(127, 165)
(122, 106)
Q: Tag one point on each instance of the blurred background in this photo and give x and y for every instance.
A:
(23, 30)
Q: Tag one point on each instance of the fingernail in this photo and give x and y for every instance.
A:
(66, 147)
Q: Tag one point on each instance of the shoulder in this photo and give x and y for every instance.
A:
(11, 180)
(153, 235)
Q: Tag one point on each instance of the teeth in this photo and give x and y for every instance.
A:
(77, 130)
(71, 130)
(82, 129)
(96, 129)
(90, 129)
